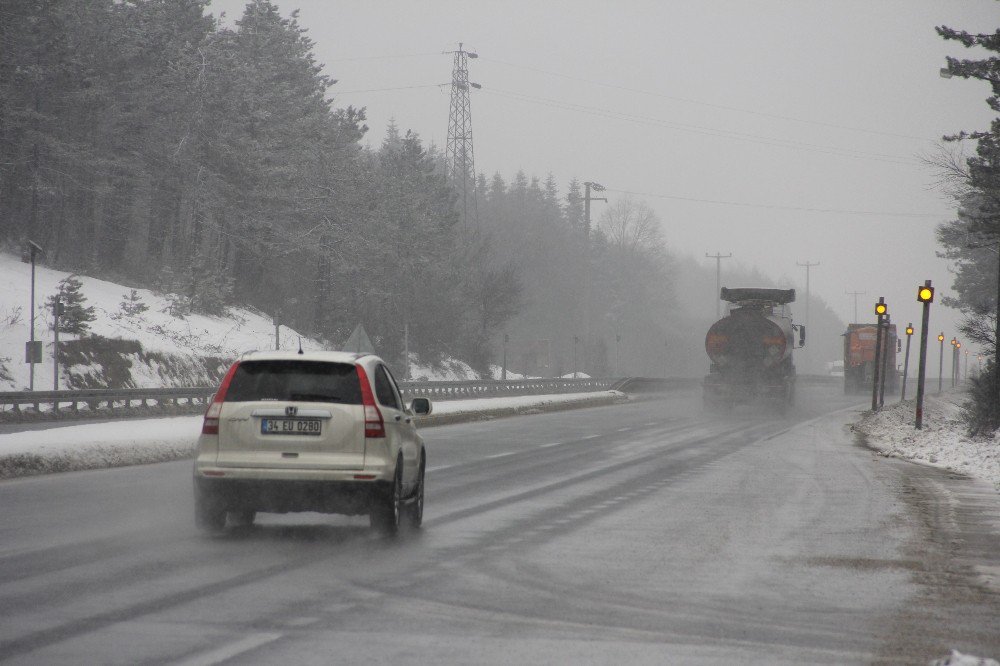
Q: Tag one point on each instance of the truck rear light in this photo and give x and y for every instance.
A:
(211, 424)
(374, 425)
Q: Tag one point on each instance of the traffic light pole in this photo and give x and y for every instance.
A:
(922, 366)
(885, 362)
(878, 354)
(906, 361)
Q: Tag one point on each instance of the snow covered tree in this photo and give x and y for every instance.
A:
(972, 240)
(75, 318)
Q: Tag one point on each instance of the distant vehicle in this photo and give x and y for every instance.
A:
(835, 368)
(321, 431)
(859, 358)
(751, 350)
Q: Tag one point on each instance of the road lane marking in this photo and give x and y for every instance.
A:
(501, 455)
(624, 429)
(439, 468)
(227, 652)
(549, 445)
(590, 437)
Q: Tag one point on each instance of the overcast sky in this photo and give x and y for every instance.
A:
(773, 105)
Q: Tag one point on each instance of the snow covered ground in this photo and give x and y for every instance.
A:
(943, 441)
(138, 442)
(155, 329)
(186, 338)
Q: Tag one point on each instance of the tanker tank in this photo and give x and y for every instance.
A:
(751, 350)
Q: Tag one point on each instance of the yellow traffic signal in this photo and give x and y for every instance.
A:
(881, 308)
(909, 330)
(941, 337)
(925, 294)
(958, 345)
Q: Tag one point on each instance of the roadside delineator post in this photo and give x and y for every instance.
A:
(925, 295)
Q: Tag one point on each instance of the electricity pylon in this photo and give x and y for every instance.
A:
(459, 159)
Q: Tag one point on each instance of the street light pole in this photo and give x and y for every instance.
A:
(718, 278)
(954, 350)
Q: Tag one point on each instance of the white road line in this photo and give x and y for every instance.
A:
(439, 468)
(624, 429)
(550, 444)
(590, 437)
(501, 455)
(227, 652)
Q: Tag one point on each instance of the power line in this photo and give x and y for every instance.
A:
(426, 85)
(801, 209)
(698, 129)
(387, 57)
(708, 104)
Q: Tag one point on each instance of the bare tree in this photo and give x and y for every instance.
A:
(632, 226)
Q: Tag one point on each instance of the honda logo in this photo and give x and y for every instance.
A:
(291, 410)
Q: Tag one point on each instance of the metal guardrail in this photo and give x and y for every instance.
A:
(121, 402)
(109, 399)
(492, 388)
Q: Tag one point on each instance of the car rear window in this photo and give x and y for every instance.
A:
(299, 381)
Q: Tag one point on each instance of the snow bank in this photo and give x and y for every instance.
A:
(138, 442)
(941, 442)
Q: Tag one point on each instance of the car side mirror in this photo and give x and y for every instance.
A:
(421, 406)
(802, 336)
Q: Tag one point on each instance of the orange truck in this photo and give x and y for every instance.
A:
(859, 357)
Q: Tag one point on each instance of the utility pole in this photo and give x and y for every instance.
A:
(718, 278)
(460, 163)
(807, 266)
(855, 294)
(597, 187)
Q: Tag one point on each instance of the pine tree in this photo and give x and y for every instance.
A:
(75, 318)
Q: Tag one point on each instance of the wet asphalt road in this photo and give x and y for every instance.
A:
(640, 533)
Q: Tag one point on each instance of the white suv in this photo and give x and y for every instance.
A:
(322, 431)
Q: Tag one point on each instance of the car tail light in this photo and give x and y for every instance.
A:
(211, 423)
(374, 425)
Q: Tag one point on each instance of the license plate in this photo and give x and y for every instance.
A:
(291, 427)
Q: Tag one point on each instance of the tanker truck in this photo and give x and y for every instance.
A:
(751, 350)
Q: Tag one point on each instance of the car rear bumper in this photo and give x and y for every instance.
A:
(266, 490)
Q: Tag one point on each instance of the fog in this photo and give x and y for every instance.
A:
(780, 132)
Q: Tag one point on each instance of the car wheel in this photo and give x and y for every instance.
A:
(209, 513)
(415, 509)
(385, 508)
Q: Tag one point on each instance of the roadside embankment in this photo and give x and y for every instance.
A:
(942, 442)
(143, 441)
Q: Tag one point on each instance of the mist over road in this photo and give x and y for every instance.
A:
(646, 532)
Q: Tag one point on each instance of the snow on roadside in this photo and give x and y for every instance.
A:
(943, 441)
(138, 442)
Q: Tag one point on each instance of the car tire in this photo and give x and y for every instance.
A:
(209, 512)
(415, 509)
(385, 509)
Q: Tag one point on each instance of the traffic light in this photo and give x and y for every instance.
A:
(881, 308)
(909, 329)
(925, 294)
(940, 337)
